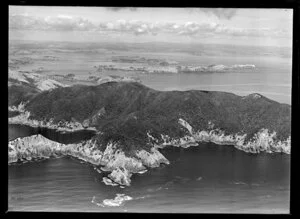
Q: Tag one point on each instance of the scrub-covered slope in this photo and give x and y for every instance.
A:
(137, 116)
(34, 80)
(20, 93)
(133, 121)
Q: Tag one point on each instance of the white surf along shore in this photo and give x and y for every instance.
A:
(119, 200)
(263, 140)
(24, 119)
(114, 160)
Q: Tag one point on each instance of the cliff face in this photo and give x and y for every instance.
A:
(112, 159)
(132, 121)
(134, 117)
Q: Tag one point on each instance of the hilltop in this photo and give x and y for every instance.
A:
(132, 121)
(129, 112)
(34, 80)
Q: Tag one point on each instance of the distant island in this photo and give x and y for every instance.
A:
(144, 65)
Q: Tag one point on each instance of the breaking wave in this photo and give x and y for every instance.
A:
(239, 183)
(119, 200)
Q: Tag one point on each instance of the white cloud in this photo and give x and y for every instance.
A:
(59, 23)
(136, 27)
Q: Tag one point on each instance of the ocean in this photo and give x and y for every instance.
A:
(271, 77)
(207, 178)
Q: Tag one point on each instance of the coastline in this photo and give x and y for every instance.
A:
(121, 167)
(23, 119)
(263, 140)
(112, 158)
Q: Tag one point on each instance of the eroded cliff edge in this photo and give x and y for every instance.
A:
(137, 119)
(112, 159)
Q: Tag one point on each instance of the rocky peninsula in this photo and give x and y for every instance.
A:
(111, 159)
(132, 121)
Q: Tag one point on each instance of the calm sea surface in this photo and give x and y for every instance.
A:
(206, 178)
(272, 76)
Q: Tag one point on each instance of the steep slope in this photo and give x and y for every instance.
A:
(132, 121)
(128, 112)
(20, 93)
(33, 80)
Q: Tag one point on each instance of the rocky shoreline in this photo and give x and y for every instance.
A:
(111, 159)
(139, 120)
(23, 119)
(263, 141)
(122, 167)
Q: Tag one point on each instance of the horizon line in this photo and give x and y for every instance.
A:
(147, 42)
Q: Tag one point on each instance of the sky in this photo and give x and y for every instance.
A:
(257, 27)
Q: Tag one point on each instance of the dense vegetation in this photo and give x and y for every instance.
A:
(20, 93)
(12, 113)
(129, 110)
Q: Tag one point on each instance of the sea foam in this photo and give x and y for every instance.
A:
(117, 201)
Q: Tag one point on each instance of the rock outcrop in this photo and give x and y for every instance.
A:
(117, 201)
(121, 175)
(152, 159)
(262, 141)
(67, 126)
(36, 80)
(111, 159)
(139, 119)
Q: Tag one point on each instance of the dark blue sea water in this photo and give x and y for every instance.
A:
(207, 178)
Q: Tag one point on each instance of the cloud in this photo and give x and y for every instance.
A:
(58, 23)
(141, 27)
(252, 32)
(132, 26)
(137, 27)
(221, 13)
(115, 9)
(68, 23)
(24, 21)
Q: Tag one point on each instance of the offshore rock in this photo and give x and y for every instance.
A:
(121, 176)
(117, 201)
(108, 182)
(112, 159)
